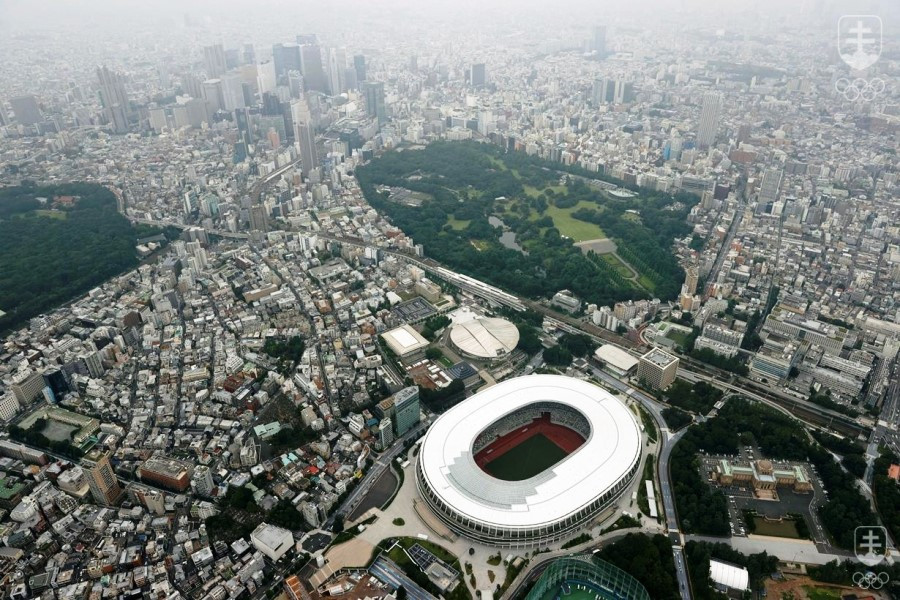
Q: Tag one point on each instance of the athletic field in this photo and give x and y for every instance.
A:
(527, 459)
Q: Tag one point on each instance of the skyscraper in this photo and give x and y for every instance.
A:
(113, 99)
(266, 78)
(286, 58)
(359, 64)
(258, 220)
(709, 119)
(213, 94)
(337, 64)
(598, 40)
(249, 54)
(313, 73)
(214, 56)
(477, 75)
(768, 189)
(232, 92)
(374, 93)
(101, 478)
(26, 110)
(406, 409)
(305, 136)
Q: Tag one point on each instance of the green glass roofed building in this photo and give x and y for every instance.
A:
(584, 577)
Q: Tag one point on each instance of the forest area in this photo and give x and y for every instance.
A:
(53, 251)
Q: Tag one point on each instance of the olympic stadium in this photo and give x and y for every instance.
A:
(528, 461)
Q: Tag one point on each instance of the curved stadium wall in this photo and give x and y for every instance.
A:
(549, 506)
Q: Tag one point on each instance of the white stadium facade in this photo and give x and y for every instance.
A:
(550, 505)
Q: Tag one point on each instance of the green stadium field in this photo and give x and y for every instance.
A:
(529, 458)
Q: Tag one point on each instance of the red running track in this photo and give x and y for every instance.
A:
(566, 439)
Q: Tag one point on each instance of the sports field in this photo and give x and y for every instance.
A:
(533, 455)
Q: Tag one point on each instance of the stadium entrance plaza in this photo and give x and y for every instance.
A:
(408, 503)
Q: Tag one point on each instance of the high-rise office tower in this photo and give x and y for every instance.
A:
(286, 58)
(214, 56)
(307, 38)
(337, 64)
(258, 220)
(406, 409)
(305, 136)
(359, 64)
(623, 92)
(313, 73)
(101, 478)
(709, 119)
(598, 40)
(26, 109)
(232, 92)
(213, 94)
(4, 118)
(374, 93)
(350, 78)
(113, 99)
(477, 75)
(768, 189)
(266, 79)
(612, 91)
(249, 54)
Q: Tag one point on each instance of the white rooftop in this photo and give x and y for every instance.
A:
(610, 451)
(616, 357)
(737, 578)
(404, 339)
(485, 337)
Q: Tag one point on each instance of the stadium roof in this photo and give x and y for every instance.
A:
(404, 339)
(610, 451)
(736, 578)
(486, 338)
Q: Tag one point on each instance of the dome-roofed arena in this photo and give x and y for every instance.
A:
(484, 338)
(528, 461)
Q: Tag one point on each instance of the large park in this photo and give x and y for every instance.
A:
(529, 225)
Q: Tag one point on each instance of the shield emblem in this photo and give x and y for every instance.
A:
(870, 544)
(859, 40)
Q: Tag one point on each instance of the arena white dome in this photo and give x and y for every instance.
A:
(452, 477)
(484, 338)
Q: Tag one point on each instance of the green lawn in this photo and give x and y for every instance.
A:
(617, 264)
(535, 192)
(53, 214)
(456, 223)
(822, 593)
(568, 225)
(529, 458)
(645, 283)
(677, 336)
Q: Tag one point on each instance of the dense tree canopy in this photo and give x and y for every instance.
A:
(465, 182)
(50, 253)
(647, 559)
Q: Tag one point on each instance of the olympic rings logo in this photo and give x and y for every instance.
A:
(859, 88)
(870, 580)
